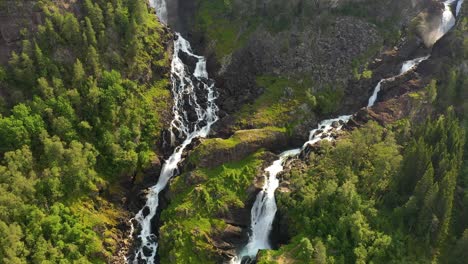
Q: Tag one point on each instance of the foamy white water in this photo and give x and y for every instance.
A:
(458, 8)
(264, 209)
(374, 95)
(446, 23)
(185, 87)
(410, 64)
(324, 129)
(407, 65)
(161, 9)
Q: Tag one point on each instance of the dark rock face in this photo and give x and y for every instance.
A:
(325, 57)
(306, 48)
(13, 18)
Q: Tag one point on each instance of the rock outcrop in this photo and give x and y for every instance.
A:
(216, 151)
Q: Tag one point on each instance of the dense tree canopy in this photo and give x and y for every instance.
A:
(75, 117)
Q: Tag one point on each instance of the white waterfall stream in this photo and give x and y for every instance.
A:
(447, 21)
(186, 86)
(407, 65)
(264, 209)
(161, 9)
(458, 8)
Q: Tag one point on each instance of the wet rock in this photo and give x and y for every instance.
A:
(189, 61)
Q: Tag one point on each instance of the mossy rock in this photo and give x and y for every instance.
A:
(216, 151)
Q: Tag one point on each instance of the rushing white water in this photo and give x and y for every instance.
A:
(324, 129)
(407, 65)
(446, 23)
(161, 9)
(410, 64)
(264, 209)
(374, 95)
(186, 86)
(459, 5)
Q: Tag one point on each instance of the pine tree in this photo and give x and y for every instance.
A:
(92, 59)
(71, 30)
(90, 33)
(79, 75)
(42, 62)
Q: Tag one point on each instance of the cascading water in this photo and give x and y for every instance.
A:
(458, 8)
(161, 9)
(447, 22)
(407, 65)
(264, 208)
(374, 95)
(186, 86)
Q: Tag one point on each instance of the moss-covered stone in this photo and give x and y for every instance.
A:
(216, 151)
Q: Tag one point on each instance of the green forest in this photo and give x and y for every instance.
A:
(80, 108)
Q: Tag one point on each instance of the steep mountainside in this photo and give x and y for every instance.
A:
(82, 107)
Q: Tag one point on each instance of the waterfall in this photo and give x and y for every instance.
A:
(264, 208)
(374, 95)
(186, 88)
(446, 23)
(459, 5)
(407, 65)
(324, 129)
(161, 9)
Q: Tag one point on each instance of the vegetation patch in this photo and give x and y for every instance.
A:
(286, 102)
(366, 200)
(83, 103)
(193, 214)
(215, 18)
(214, 151)
(283, 101)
